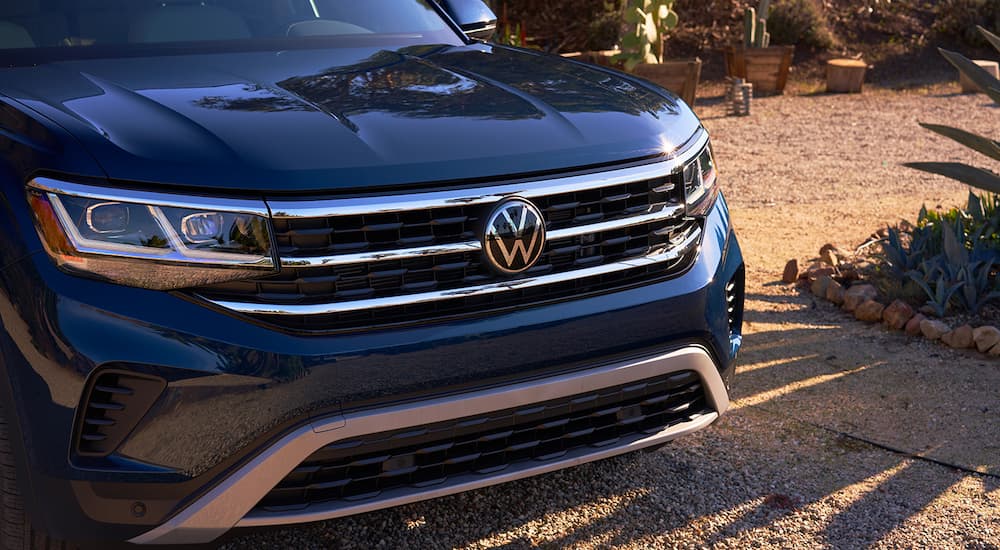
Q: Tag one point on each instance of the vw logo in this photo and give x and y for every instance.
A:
(514, 236)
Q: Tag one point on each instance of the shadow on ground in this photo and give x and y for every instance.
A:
(813, 384)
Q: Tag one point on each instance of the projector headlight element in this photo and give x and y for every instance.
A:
(151, 240)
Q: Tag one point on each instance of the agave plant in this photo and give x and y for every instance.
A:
(971, 175)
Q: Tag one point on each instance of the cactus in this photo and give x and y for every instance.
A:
(755, 26)
(652, 19)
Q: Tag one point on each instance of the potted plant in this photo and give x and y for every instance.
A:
(755, 60)
(642, 49)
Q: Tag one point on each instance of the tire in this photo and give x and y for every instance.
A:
(16, 532)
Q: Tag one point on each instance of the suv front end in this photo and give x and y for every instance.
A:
(191, 347)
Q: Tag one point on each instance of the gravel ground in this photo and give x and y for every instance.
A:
(820, 449)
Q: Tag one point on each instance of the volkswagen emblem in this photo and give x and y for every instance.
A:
(514, 236)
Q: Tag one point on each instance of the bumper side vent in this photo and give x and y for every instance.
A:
(113, 404)
(735, 292)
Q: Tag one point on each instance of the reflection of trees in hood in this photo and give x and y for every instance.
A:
(437, 81)
(398, 83)
(441, 81)
(256, 98)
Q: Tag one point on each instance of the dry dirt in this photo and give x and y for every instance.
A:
(841, 434)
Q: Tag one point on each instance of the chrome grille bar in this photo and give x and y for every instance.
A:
(666, 213)
(672, 253)
(486, 195)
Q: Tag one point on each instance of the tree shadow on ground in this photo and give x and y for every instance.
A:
(808, 387)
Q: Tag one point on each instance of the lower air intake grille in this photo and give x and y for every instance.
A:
(114, 403)
(360, 469)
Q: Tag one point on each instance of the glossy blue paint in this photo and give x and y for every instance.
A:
(293, 122)
(297, 122)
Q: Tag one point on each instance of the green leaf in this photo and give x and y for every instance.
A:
(975, 208)
(989, 85)
(984, 145)
(976, 177)
(671, 20)
(954, 250)
(992, 38)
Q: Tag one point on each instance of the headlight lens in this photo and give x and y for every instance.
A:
(151, 240)
(700, 178)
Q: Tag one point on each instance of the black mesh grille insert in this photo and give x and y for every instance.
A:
(413, 228)
(114, 403)
(451, 272)
(360, 469)
(444, 271)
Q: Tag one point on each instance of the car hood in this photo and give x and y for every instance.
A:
(349, 118)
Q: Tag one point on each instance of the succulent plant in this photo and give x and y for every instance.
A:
(971, 175)
(755, 26)
(651, 20)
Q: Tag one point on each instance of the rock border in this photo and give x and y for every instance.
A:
(839, 282)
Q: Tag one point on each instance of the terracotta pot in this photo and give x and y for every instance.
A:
(680, 76)
(765, 68)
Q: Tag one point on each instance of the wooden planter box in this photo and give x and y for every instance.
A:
(680, 76)
(765, 68)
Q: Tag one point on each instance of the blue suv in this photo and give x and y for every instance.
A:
(268, 262)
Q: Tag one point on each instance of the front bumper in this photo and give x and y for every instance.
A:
(230, 504)
(245, 404)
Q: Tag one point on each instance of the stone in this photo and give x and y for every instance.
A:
(835, 293)
(913, 325)
(897, 314)
(927, 310)
(960, 338)
(791, 273)
(985, 338)
(849, 272)
(820, 285)
(994, 351)
(818, 270)
(857, 294)
(869, 311)
(932, 329)
(828, 255)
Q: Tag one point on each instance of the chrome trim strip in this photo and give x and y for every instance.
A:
(239, 206)
(230, 503)
(485, 195)
(492, 288)
(384, 255)
(666, 213)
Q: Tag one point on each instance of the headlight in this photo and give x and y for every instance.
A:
(700, 179)
(151, 240)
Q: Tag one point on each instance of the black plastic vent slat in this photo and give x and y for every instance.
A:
(114, 403)
(362, 468)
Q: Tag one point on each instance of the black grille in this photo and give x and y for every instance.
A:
(115, 402)
(452, 272)
(413, 228)
(445, 271)
(360, 469)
